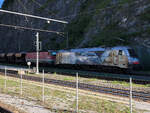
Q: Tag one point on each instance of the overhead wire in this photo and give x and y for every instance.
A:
(33, 29)
(21, 27)
(83, 13)
(33, 16)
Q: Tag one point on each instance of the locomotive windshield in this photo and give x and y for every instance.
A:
(132, 53)
(53, 53)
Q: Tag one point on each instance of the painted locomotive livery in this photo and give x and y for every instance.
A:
(119, 56)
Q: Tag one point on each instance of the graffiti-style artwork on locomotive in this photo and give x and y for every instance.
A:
(115, 57)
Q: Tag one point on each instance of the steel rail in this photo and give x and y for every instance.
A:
(139, 79)
(144, 96)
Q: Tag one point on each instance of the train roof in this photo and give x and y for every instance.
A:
(121, 48)
(96, 49)
(84, 49)
(88, 49)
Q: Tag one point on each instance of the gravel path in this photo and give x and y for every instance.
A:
(22, 105)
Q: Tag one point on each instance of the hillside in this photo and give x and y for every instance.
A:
(91, 23)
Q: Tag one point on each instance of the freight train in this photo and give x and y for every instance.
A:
(122, 57)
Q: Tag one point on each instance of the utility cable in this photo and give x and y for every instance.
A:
(32, 29)
(33, 16)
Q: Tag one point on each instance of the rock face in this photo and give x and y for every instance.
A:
(91, 23)
(23, 40)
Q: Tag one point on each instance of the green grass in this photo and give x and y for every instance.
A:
(56, 97)
(69, 79)
(121, 83)
(128, 84)
(147, 85)
(101, 106)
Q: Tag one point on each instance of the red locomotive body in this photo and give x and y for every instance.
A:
(44, 57)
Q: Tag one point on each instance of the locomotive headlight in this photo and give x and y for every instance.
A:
(136, 62)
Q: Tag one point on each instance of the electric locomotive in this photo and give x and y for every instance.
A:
(119, 57)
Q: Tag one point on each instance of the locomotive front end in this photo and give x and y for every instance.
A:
(134, 62)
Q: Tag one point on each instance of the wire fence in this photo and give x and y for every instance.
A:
(66, 99)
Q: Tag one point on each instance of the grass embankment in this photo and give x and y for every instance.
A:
(59, 100)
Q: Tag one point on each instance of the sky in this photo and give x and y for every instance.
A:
(1, 2)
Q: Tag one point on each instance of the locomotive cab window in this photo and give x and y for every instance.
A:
(120, 52)
(53, 53)
(132, 53)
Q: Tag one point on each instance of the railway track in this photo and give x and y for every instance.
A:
(91, 69)
(139, 95)
(136, 77)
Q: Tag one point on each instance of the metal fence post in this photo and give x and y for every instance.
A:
(77, 109)
(43, 87)
(21, 82)
(37, 53)
(5, 77)
(130, 94)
